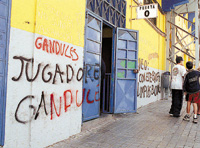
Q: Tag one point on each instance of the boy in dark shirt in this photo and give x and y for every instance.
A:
(191, 89)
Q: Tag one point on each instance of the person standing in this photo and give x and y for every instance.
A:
(191, 88)
(198, 112)
(178, 73)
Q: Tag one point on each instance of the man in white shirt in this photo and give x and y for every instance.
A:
(178, 73)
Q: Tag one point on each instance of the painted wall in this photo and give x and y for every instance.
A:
(189, 39)
(151, 56)
(44, 92)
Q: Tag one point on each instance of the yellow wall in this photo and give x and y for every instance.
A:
(184, 25)
(61, 19)
(65, 19)
(152, 46)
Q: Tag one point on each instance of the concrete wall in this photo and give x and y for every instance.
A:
(44, 91)
(151, 55)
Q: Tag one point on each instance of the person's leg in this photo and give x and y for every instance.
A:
(187, 116)
(195, 112)
(172, 105)
(188, 107)
(198, 111)
(195, 108)
(178, 102)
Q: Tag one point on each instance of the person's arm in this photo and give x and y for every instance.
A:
(185, 93)
(185, 84)
(183, 72)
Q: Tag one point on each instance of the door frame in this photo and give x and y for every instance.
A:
(112, 87)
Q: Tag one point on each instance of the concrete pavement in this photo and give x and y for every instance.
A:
(151, 127)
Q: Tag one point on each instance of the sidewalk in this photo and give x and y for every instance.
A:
(152, 127)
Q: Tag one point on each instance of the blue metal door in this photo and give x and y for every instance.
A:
(126, 63)
(92, 64)
(4, 31)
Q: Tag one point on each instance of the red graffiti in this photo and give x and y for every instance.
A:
(53, 104)
(65, 99)
(68, 101)
(88, 101)
(96, 95)
(54, 47)
(79, 104)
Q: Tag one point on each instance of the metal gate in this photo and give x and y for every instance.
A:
(126, 63)
(4, 31)
(92, 64)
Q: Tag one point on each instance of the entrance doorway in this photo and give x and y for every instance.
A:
(116, 92)
(106, 68)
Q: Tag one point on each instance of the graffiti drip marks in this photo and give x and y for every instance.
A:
(40, 105)
(54, 106)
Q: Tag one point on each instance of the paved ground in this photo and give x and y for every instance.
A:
(152, 127)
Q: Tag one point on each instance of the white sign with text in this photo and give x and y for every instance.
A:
(147, 11)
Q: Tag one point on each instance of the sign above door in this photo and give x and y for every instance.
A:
(147, 11)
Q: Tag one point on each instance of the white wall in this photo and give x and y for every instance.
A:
(22, 130)
(149, 86)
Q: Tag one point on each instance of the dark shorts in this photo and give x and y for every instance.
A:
(193, 98)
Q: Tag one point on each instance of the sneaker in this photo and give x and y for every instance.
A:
(170, 113)
(195, 120)
(186, 118)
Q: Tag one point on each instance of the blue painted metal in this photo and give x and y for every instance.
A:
(5, 6)
(112, 11)
(92, 64)
(191, 17)
(107, 94)
(112, 90)
(167, 5)
(125, 78)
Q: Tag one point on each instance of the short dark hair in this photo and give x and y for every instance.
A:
(179, 59)
(189, 65)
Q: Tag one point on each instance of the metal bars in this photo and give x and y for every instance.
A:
(184, 52)
(113, 11)
(182, 29)
(172, 27)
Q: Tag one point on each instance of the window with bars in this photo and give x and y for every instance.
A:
(113, 11)
(153, 20)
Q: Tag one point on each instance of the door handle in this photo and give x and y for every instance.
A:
(135, 71)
